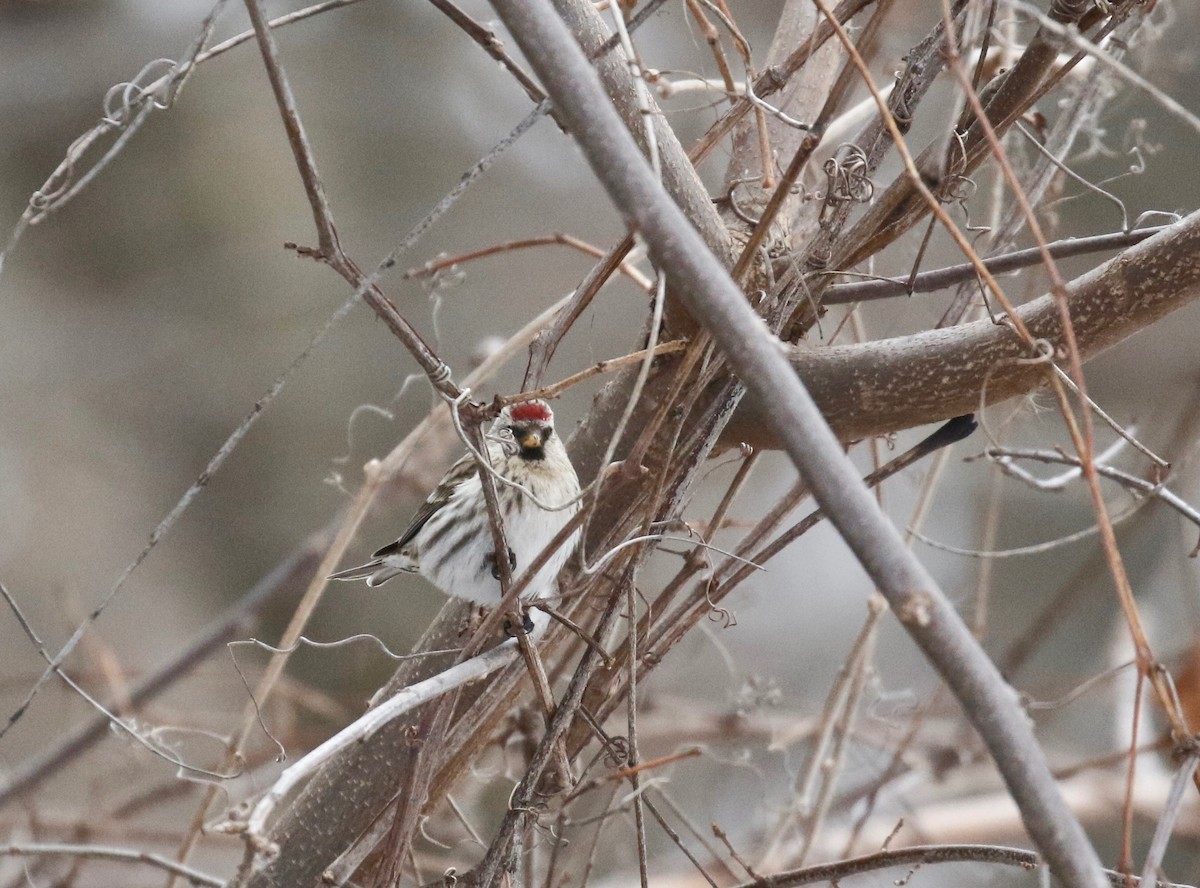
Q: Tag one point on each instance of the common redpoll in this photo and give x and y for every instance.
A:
(450, 539)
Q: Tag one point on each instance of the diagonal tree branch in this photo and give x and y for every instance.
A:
(760, 362)
(280, 582)
(870, 289)
(883, 386)
(329, 249)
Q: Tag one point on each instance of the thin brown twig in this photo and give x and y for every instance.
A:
(713, 38)
(301, 150)
(117, 855)
(674, 837)
(650, 765)
(766, 159)
(714, 852)
(543, 349)
(606, 366)
(633, 755)
(832, 104)
(541, 352)
(937, 279)
(576, 630)
(720, 834)
(608, 743)
(491, 44)
(560, 763)
(1125, 859)
(433, 266)
(1004, 456)
(1113, 758)
(919, 855)
(860, 670)
(819, 774)
(721, 9)
(1166, 823)
(767, 524)
(329, 249)
(594, 850)
(981, 601)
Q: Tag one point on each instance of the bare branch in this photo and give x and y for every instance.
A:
(433, 266)
(922, 855)
(329, 250)
(279, 582)
(491, 44)
(1005, 455)
(889, 384)
(931, 281)
(119, 855)
(759, 361)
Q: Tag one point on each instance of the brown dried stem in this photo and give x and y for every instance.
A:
(433, 266)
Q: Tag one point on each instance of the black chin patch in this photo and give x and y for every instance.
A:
(530, 454)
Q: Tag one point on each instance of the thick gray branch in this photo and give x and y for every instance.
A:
(883, 386)
(760, 361)
(801, 99)
(679, 176)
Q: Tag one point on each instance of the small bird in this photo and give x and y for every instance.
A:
(449, 541)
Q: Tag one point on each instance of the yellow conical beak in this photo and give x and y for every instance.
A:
(532, 440)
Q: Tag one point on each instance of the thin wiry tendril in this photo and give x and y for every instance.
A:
(118, 724)
(304, 641)
(658, 537)
(1034, 549)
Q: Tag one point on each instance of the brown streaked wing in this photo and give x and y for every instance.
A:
(459, 472)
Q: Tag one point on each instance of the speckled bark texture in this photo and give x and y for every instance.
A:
(892, 384)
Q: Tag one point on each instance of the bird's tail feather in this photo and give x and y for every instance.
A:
(374, 572)
(357, 573)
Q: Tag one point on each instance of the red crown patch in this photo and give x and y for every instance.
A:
(531, 411)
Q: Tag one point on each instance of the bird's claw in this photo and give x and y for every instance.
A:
(526, 625)
(491, 559)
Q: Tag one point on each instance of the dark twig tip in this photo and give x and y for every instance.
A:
(954, 430)
(304, 252)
